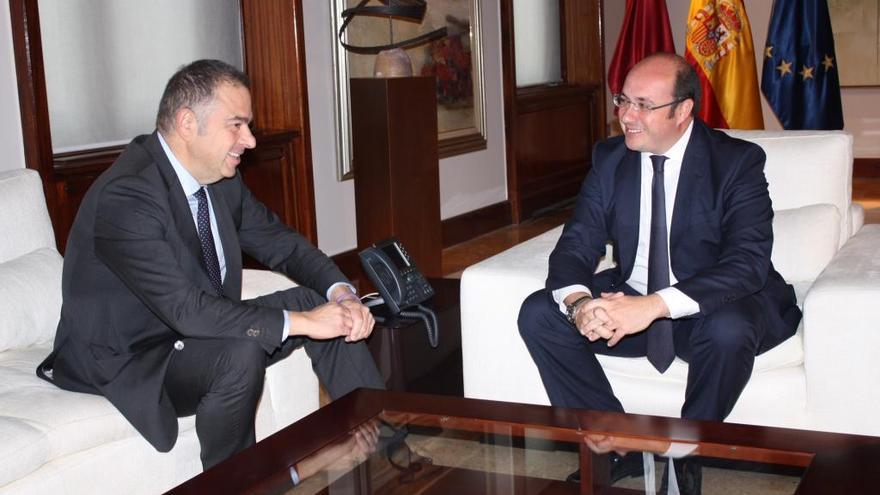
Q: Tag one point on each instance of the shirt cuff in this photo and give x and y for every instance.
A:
(286, 331)
(337, 284)
(294, 476)
(559, 295)
(679, 304)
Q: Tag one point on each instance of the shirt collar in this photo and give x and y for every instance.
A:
(189, 183)
(676, 152)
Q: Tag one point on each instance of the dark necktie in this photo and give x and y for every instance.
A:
(206, 237)
(661, 350)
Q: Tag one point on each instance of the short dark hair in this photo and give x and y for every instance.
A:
(192, 86)
(687, 85)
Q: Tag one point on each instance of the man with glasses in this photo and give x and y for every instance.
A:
(687, 210)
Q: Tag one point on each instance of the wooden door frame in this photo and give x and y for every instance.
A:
(582, 65)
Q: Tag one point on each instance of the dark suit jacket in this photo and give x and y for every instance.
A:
(720, 238)
(134, 283)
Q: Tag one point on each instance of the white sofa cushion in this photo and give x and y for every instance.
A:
(804, 241)
(256, 283)
(68, 422)
(807, 167)
(30, 298)
(24, 219)
(57, 425)
(24, 448)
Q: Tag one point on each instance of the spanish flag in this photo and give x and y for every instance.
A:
(719, 46)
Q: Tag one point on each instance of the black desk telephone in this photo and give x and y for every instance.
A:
(395, 276)
(400, 283)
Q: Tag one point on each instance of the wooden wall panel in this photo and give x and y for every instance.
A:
(550, 129)
(866, 167)
(267, 171)
(397, 178)
(584, 51)
(555, 137)
(275, 61)
(554, 134)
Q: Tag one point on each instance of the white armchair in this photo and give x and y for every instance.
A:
(823, 378)
(54, 441)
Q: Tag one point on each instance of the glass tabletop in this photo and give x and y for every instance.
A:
(397, 443)
(406, 453)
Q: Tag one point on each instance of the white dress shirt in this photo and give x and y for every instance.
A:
(679, 304)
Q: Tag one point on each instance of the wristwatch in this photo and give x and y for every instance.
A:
(570, 309)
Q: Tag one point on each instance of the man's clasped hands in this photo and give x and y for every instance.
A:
(614, 315)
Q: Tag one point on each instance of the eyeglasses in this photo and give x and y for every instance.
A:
(621, 101)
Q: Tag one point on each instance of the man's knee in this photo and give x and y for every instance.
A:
(242, 363)
(732, 329)
(533, 314)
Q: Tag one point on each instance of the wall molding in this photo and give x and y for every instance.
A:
(475, 223)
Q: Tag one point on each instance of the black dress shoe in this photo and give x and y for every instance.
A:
(688, 474)
(627, 466)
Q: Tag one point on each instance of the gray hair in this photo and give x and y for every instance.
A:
(192, 86)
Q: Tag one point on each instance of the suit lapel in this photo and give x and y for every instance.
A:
(694, 169)
(180, 210)
(628, 184)
(229, 239)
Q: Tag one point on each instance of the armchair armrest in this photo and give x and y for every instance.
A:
(842, 337)
(290, 391)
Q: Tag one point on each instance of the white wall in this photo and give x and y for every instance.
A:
(11, 143)
(861, 106)
(536, 31)
(107, 61)
(467, 182)
(478, 179)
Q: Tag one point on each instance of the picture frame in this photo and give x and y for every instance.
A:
(456, 60)
(856, 28)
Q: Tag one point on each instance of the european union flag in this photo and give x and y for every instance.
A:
(800, 77)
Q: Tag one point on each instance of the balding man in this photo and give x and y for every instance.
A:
(152, 316)
(688, 212)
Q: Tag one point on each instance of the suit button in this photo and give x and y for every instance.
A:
(178, 346)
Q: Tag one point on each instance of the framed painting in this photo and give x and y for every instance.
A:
(456, 61)
(856, 26)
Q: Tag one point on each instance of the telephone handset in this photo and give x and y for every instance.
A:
(396, 277)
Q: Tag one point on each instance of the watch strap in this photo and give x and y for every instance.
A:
(572, 308)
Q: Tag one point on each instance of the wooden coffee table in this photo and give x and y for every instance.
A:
(456, 445)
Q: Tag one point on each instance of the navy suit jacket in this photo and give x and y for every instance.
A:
(721, 235)
(134, 283)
